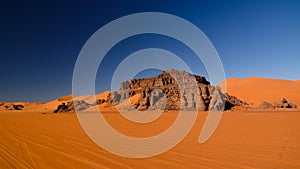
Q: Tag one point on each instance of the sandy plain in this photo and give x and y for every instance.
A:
(243, 139)
(250, 139)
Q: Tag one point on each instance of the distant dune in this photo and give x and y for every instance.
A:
(255, 90)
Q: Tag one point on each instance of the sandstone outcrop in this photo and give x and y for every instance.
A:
(266, 105)
(11, 106)
(174, 90)
(283, 104)
(232, 101)
(79, 104)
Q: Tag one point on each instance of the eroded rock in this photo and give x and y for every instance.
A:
(79, 104)
(174, 90)
(12, 106)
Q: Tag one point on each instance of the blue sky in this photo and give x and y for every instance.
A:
(40, 41)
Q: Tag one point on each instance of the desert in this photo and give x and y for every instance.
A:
(247, 136)
(155, 84)
(242, 140)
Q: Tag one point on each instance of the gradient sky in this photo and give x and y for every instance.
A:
(40, 40)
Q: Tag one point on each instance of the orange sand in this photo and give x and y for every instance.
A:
(242, 140)
(255, 90)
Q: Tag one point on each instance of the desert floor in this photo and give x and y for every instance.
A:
(242, 140)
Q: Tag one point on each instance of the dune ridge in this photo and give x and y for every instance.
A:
(256, 90)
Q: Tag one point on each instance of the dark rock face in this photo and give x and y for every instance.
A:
(283, 101)
(13, 106)
(18, 107)
(285, 104)
(61, 108)
(79, 104)
(232, 101)
(173, 90)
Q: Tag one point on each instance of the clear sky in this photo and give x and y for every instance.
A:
(40, 40)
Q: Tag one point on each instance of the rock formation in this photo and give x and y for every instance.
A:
(283, 104)
(79, 104)
(173, 90)
(266, 105)
(232, 101)
(11, 106)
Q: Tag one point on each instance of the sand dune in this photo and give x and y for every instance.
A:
(103, 95)
(242, 140)
(255, 90)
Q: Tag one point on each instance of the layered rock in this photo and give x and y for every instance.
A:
(173, 90)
